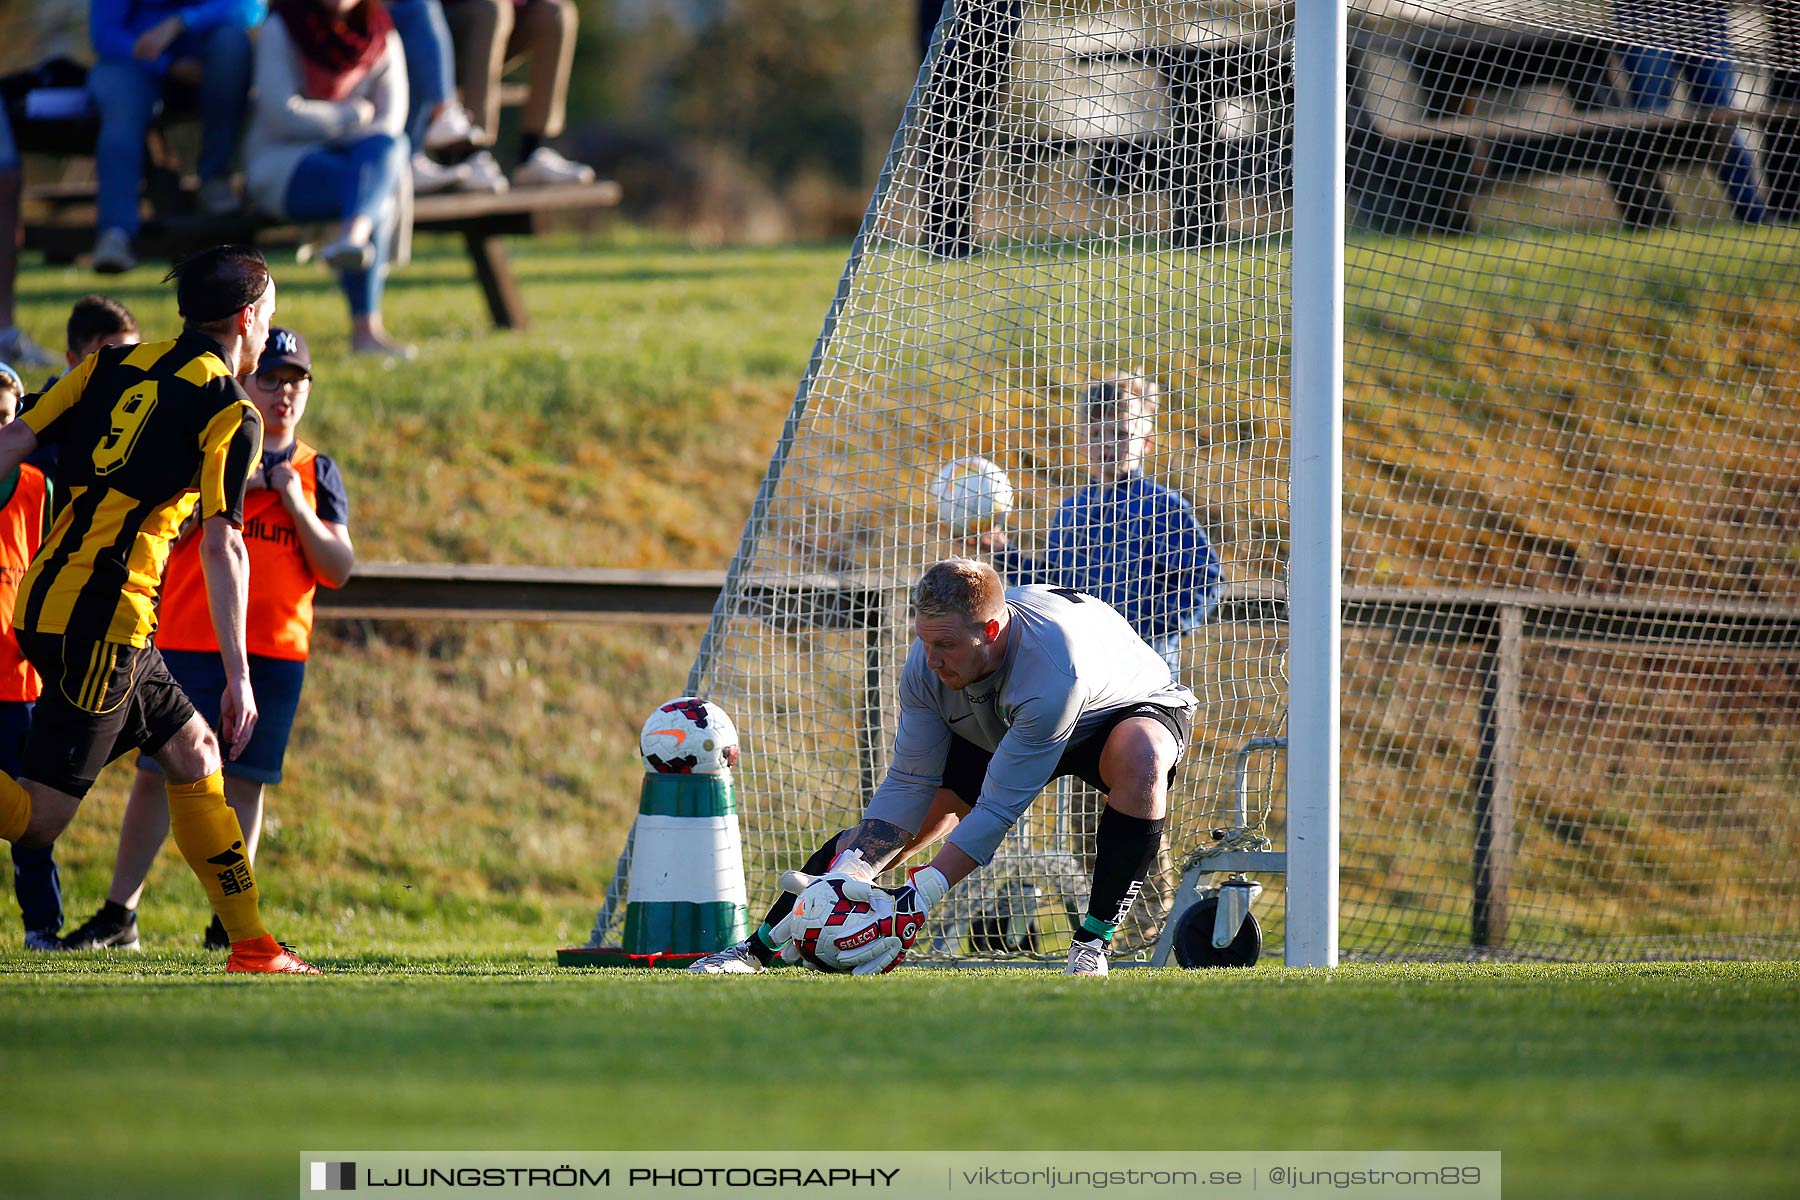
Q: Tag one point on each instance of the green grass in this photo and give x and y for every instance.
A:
(159, 1077)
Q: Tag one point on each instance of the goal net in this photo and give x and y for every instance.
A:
(1571, 509)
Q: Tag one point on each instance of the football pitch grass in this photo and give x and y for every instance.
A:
(157, 1075)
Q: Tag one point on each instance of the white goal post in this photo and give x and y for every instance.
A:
(1316, 479)
(1474, 337)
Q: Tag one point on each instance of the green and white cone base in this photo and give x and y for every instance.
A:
(686, 894)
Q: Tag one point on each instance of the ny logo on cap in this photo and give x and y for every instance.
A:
(286, 343)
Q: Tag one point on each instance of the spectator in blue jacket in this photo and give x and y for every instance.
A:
(143, 46)
(1133, 543)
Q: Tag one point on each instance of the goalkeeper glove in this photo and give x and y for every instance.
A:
(924, 887)
(849, 865)
(857, 874)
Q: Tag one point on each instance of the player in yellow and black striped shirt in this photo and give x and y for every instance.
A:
(146, 434)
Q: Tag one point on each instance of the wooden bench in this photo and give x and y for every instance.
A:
(1431, 128)
(1438, 116)
(66, 230)
(1193, 157)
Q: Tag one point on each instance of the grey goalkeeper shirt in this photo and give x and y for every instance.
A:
(1071, 662)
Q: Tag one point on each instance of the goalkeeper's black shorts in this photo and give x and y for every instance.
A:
(966, 765)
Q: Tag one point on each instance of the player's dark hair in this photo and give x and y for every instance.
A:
(98, 317)
(1104, 398)
(959, 587)
(214, 285)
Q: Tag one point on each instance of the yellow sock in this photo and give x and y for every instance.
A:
(15, 808)
(209, 837)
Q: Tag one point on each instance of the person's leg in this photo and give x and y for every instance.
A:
(546, 37)
(425, 39)
(1136, 761)
(377, 162)
(141, 835)
(224, 95)
(37, 884)
(323, 188)
(1712, 84)
(206, 830)
(351, 184)
(480, 30)
(126, 96)
(245, 796)
(370, 178)
(164, 724)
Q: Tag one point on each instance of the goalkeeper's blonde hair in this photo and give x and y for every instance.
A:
(960, 587)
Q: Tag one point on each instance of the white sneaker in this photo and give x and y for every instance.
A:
(17, 348)
(218, 198)
(1087, 958)
(546, 167)
(452, 127)
(484, 175)
(112, 252)
(343, 255)
(733, 960)
(430, 176)
(384, 348)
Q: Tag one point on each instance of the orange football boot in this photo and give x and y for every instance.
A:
(266, 956)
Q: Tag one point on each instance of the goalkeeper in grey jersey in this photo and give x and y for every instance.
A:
(1002, 692)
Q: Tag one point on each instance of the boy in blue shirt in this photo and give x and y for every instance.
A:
(1133, 543)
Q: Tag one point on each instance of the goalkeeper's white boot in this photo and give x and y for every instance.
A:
(733, 960)
(1087, 958)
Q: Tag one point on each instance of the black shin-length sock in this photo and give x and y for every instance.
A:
(1124, 848)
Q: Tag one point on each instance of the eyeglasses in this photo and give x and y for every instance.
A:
(274, 383)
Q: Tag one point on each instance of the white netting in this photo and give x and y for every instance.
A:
(1572, 511)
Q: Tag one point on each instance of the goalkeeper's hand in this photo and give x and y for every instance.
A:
(924, 887)
(850, 866)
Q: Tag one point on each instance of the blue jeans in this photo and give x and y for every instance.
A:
(360, 179)
(128, 94)
(1711, 82)
(425, 38)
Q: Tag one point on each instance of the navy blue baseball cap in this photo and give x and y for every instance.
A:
(285, 348)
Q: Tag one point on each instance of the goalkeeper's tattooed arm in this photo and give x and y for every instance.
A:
(878, 841)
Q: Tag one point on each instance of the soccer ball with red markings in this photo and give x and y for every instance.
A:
(827, 924)
(689, 736)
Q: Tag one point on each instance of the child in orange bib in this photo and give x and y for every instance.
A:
(296, 529)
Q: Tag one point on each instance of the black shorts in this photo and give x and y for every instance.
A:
(966, 765)
(100, 700)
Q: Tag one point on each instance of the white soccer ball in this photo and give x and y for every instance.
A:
(973, 495)
(689, 736)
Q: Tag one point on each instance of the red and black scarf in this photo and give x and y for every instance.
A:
(335, 52)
